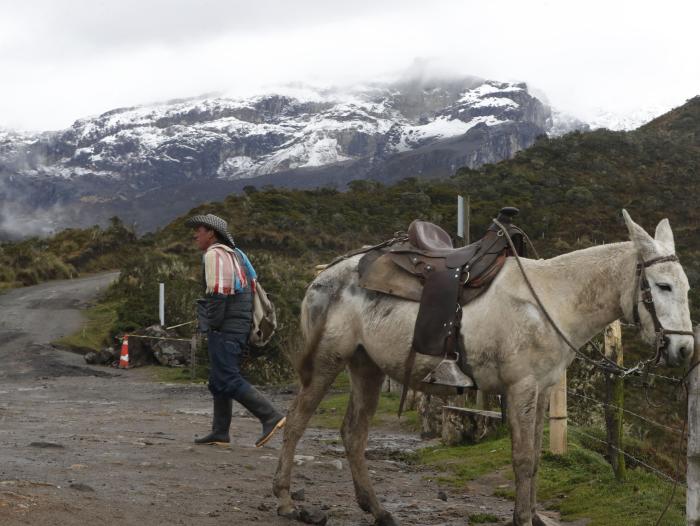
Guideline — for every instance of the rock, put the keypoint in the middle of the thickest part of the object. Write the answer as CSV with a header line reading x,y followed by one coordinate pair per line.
x,y
90,357
263,507
102,357
468,425
81,487
430,413
312,516
47,445
442,495
298,494
333,464
300,460
155,350
171,353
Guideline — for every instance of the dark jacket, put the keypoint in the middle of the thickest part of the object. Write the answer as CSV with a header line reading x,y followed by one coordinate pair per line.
x,y
231,312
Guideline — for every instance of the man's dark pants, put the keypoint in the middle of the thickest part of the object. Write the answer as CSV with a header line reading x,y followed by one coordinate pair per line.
x,y
225,351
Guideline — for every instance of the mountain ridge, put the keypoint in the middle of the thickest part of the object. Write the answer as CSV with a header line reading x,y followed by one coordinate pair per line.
x,y
196,149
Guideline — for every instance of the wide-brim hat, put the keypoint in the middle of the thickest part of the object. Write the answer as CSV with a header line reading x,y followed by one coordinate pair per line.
x,y
214,223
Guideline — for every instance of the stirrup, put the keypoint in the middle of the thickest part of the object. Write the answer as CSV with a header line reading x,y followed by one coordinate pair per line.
x,y
448,373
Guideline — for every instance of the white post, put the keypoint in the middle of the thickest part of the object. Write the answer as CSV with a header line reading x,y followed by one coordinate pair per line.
x,y
467,236
460,216
692,495
161,304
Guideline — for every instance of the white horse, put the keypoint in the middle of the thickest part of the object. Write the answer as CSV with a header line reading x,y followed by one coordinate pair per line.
x,y
511,347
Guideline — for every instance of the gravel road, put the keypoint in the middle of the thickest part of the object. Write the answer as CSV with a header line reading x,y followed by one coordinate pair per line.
x,y
94,445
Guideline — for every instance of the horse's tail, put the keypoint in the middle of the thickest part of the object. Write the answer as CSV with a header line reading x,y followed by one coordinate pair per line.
x,y
312,331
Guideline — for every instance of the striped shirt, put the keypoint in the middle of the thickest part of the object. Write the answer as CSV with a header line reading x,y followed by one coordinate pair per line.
x,y
227,271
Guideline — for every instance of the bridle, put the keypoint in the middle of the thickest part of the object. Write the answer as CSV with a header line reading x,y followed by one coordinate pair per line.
x,y
647,297
641,285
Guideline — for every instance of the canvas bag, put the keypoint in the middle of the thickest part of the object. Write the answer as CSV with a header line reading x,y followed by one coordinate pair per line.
x,y
264,318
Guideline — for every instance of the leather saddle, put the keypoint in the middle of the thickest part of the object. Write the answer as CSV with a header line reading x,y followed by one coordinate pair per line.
x,y
423,266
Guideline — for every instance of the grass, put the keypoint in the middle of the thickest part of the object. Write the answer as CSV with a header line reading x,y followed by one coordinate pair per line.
x,y
331,410
460,464
481,518
579,485
174,375
94,334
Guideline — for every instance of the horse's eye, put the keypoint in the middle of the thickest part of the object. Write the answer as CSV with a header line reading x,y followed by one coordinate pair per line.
x,y
664,286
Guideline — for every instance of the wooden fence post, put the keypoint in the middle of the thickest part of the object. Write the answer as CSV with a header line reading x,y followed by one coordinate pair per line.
x,y
615,396
692,494
480,400
557,418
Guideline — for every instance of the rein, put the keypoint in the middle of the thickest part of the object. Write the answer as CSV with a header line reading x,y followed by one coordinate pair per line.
x,y
609,365
606,364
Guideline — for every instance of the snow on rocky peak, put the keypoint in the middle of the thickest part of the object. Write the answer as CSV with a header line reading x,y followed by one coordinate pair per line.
x,y
234,138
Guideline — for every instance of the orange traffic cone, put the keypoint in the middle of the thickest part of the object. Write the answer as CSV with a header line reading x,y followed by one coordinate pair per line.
x,y
124,357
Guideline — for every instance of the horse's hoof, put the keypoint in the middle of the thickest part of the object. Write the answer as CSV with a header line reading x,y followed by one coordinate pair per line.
x,y
312,516
543,520
385,519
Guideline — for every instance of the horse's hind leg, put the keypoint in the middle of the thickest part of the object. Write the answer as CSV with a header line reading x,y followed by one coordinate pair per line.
x,y
366,381
300,411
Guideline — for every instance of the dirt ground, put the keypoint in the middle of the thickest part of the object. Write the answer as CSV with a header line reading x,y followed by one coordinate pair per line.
x,y
94,445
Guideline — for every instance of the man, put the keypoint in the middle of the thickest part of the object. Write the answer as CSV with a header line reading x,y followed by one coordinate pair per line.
x,y
225,315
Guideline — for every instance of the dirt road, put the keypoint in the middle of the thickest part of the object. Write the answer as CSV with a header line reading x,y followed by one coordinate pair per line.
x,y
92,445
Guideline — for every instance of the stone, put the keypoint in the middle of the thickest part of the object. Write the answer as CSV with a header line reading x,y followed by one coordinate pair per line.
x,y
298,494
172,353
81,487
300,460
312,516
103,357
47,445
460,425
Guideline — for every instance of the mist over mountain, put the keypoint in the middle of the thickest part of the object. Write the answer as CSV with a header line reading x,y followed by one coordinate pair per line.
x,y
147,164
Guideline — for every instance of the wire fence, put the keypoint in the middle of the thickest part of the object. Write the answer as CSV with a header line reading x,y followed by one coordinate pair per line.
x,y
606,407
627,455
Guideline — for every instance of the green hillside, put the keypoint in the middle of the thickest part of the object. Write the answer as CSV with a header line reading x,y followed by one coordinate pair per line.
x,y
66,254
570,191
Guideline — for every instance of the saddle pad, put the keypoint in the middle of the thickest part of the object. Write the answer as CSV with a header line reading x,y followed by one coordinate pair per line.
x,y
383,275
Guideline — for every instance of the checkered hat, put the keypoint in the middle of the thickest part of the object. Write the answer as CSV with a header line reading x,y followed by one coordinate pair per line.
x,y
215,223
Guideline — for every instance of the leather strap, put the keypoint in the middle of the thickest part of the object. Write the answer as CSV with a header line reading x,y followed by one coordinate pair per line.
x,y
642,285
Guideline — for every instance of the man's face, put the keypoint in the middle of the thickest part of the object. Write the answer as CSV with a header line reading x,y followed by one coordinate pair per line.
x,y
203,237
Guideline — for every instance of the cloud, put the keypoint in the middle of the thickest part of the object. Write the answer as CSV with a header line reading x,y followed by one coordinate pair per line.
x,y
69,59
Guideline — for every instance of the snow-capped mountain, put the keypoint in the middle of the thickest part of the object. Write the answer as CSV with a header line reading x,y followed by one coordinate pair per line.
x,y
623,120
150,163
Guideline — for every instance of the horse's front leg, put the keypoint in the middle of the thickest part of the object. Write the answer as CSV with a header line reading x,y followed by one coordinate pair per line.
x,y
542,404
522,417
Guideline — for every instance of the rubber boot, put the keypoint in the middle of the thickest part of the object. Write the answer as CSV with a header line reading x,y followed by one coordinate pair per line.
x,y
269,417
221,423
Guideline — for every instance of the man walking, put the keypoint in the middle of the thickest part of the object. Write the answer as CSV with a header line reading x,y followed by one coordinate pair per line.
x,y
225,315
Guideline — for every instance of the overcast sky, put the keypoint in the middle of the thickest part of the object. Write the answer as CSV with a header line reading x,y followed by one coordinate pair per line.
x,y
65,59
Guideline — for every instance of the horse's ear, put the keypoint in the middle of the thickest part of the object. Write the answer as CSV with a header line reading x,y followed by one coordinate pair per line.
x,y
664,235
643,241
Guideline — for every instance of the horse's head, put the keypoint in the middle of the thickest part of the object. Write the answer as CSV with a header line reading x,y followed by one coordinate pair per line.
x,y
660,298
